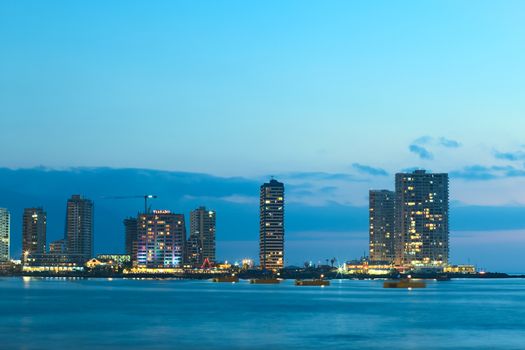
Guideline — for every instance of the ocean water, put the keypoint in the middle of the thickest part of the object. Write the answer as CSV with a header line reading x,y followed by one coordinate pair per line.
x,y
172,314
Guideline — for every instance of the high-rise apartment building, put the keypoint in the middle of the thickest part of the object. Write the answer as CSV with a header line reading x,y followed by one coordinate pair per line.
x,y
131,234
201,245
421,220
271,234
5,227
33,231
161,239
79,227
381,225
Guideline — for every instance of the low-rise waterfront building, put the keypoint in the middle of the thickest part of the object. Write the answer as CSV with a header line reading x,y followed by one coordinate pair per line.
x,y
464,269
366,267
93,263
247,263
54,262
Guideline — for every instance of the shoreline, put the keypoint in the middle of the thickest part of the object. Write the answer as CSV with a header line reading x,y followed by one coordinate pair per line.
x,y
249,276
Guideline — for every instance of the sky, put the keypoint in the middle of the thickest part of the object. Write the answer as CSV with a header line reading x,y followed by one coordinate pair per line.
x,y
333,97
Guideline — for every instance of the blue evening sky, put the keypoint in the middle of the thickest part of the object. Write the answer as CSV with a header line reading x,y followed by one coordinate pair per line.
x,y
358,89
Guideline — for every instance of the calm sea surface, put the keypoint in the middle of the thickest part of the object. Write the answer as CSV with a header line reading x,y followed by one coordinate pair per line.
x,y
170,314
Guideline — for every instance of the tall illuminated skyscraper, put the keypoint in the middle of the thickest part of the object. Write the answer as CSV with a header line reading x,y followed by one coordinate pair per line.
x,y
79,227
421,227
381,228
271,234
201,245
5,227
34,231
161,239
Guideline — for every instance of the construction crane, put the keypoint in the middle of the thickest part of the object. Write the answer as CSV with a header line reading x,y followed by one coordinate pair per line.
x,y
145,197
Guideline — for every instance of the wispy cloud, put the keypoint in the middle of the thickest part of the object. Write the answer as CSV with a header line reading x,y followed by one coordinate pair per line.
x,y
329,189
516,173
423,140
474,172
512,156
240,199
318,176
481,172
421,146
234,198
369,170
421,151
449,143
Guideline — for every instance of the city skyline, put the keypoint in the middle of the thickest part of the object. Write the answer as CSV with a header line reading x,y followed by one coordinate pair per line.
x,y
347,174
418,210
342,229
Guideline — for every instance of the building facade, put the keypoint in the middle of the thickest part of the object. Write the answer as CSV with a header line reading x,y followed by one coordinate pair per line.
x,y
421,220
381,226
55,261
79,227
58,247
5,234
130,234
161,239
271,232
201,244
193,252
34,223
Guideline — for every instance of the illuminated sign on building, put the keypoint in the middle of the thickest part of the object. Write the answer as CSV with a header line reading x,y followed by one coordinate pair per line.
x,y
160,212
